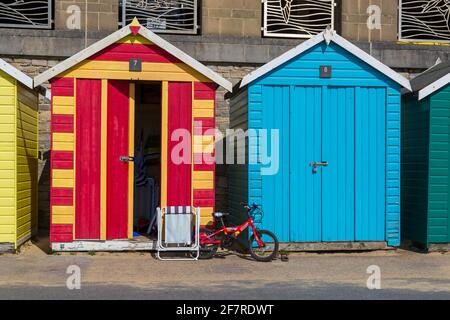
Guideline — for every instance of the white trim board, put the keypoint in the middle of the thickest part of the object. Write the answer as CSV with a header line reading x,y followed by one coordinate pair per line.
x,y
120,34
435,86
16,74
328,36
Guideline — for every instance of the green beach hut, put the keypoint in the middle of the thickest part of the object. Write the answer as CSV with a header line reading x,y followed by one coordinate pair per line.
x,y
425,161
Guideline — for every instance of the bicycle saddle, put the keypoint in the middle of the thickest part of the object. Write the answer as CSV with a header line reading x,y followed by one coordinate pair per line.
x,y
220,214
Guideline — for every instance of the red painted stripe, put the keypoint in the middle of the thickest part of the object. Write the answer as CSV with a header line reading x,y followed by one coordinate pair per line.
x,y
61,233
204,167
62,160
62,123
62,201
199,203
88,104
180,117
127,51
62,196
117,171
62,87
62,192
204,125
204,91
204,194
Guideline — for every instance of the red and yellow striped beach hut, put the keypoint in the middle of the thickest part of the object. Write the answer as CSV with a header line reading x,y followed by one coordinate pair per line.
x,y
103,99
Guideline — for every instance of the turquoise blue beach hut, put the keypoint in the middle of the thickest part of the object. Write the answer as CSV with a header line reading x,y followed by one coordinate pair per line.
x,y
337,113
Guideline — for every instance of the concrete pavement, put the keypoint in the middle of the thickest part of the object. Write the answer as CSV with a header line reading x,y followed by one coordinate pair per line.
x,y
33,273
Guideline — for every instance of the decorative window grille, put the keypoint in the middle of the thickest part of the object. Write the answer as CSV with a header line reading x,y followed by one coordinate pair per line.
x,y
33,14
297,18
424,20
164,16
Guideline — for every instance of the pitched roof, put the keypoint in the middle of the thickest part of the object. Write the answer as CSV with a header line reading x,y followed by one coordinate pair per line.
x,y
133,28
328,36
16,74
432,79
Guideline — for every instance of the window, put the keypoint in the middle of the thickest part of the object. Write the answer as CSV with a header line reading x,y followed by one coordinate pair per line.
x,y
33,14
424,20
297,18
164,16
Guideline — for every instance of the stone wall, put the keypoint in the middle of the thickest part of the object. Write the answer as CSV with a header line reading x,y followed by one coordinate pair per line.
x,y
240,18
354,20
100,15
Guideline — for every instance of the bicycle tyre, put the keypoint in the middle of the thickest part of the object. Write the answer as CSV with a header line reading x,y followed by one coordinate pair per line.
x,y
274,252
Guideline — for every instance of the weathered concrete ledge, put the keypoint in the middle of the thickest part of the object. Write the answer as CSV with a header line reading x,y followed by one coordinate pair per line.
x,y
52,44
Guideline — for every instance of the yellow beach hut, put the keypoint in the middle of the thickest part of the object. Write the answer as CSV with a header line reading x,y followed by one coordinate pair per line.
x,y
18,157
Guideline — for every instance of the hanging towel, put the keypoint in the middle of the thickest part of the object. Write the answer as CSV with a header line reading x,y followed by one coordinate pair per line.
x,y
140,177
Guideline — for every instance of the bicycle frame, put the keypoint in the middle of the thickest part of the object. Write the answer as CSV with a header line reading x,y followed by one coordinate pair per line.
x,y
235,231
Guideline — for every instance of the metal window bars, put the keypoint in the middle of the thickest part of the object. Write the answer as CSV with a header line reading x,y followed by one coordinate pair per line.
x,y
424,20
33,14
297,18
178,231
161,16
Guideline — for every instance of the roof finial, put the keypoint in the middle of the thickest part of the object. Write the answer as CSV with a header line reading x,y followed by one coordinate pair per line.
x,y
135,26
328,35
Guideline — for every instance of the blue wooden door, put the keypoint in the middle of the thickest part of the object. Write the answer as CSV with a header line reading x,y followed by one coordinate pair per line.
x,y
338,178
275,197
305,147
345,128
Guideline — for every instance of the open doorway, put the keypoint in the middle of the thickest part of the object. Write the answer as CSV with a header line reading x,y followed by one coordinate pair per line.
x,y
147,175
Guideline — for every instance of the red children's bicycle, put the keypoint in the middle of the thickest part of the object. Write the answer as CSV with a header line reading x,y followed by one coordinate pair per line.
x,y
263,244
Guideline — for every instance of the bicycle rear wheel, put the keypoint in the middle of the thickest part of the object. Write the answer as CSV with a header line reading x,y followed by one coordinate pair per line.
x,y
268,251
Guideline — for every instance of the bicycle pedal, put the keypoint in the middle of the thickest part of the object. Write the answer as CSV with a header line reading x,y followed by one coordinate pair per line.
x,y
284,257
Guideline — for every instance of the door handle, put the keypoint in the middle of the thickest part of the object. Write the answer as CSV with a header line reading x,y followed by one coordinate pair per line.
x,y
319,164
126,159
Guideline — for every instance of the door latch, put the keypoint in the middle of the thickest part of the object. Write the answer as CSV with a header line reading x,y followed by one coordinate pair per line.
x,y
126,159
315,165
319,164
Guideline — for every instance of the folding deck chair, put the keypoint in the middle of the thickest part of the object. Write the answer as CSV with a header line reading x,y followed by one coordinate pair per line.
x,y
178,231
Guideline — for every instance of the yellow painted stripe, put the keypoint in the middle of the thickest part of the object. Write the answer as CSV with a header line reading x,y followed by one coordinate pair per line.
x,y
103,166
69,110
164,141
63,101
62,219
205,148
203,184
63,146
131,164
203,109
135,40
203,175
62,183
63,137
203,113
63,210
206,215
120,70
203,104
62,174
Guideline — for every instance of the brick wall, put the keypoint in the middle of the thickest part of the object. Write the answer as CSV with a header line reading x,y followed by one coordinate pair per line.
x,y
102,15
355,16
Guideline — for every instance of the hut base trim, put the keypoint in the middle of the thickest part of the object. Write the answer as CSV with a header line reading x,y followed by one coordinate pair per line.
x,y
335,246
23,240
113,245
7,247
439,247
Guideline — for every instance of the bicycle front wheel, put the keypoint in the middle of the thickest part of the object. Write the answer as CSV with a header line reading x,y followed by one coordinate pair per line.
x,y
268,251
